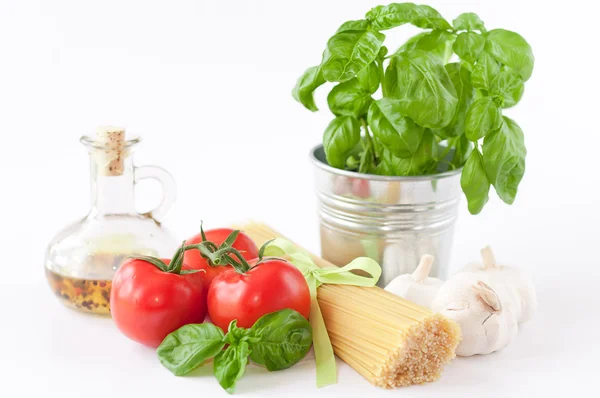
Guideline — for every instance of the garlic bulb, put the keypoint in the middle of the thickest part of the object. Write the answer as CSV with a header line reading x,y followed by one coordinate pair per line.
x,y
514,286
417,287
488,301
486,325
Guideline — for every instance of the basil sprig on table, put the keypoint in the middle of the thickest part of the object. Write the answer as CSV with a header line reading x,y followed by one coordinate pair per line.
x,y
277,341
433,115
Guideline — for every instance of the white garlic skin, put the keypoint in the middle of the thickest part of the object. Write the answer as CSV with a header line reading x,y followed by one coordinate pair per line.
x,y
514,286
471,267
417,287
486,326
513,283
422,293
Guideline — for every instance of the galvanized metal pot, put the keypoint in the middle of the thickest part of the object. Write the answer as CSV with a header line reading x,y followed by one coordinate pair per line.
x,y
393,220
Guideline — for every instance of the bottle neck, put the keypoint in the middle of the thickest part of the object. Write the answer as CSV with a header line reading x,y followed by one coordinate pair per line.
x,y
111,193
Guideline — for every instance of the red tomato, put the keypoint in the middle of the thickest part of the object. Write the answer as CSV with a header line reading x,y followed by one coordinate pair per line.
x,y
267,287
243,244
147,303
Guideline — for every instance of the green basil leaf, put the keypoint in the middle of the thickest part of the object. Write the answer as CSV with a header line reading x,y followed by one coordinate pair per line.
x,y
504,159
392,15
377,146
511,49
362,157
189,346
420,163
460,76
306,85
396,14
509,86
424,90
474,182
341,136
391,165
429,18
436,42
369,78
468,21
469,45
235,334
348,52
230,365
383,167
483,117
280,339
349,98
353,163
484,72
382,53
367,161
353,157
360,24
397,133
462,150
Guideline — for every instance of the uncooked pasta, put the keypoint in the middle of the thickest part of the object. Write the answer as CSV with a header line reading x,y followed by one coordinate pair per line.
x,y
391,341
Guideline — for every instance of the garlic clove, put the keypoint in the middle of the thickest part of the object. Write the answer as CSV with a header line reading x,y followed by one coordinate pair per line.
x,y
471,267
489,261
417,287
423,269
488,301
400,285
457,289
486,326
514,284
488,297
424,294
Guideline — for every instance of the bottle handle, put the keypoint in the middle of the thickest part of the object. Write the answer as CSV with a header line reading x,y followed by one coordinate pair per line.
x,y
168,187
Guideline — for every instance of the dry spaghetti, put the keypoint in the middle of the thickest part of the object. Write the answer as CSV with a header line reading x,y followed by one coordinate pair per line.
x,y
392,342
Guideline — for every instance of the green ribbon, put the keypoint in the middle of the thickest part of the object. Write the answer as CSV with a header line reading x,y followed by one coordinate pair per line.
x,y
315,277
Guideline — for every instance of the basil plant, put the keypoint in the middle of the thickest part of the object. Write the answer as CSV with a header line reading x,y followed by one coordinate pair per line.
x,y
437,103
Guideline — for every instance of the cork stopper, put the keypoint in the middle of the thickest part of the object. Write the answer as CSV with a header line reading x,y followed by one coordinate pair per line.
x,y
110,159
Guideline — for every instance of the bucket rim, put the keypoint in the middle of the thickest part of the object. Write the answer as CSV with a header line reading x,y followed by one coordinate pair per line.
x,y
373,177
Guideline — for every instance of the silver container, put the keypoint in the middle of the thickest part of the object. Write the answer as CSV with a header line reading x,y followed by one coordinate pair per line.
x,y
393,220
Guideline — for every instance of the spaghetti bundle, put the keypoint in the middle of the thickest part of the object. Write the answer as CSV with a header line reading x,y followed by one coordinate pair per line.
x,y
391,341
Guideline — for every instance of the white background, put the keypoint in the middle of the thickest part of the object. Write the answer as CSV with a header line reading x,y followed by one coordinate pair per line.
x,y
207,84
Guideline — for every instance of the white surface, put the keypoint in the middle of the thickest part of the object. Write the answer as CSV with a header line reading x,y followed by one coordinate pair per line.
x,y
208,86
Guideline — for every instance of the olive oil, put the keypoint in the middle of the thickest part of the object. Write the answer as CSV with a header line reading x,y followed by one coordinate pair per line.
x,y
87,295
82,258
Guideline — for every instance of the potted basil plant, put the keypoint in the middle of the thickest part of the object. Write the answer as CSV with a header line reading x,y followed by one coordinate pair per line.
x,y
411,127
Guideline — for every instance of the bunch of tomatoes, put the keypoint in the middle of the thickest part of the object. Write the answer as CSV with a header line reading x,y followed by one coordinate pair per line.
x,y
218,272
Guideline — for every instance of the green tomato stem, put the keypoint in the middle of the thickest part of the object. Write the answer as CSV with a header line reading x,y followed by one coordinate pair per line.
x,y
240,266
211,245
222,257
215,256
230,239
177,261
157,262
261,252
202,234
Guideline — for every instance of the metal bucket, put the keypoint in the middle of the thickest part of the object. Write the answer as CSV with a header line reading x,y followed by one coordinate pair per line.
x,y
393,220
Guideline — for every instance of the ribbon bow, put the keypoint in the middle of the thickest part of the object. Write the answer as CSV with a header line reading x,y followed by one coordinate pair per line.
x,y
315,277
